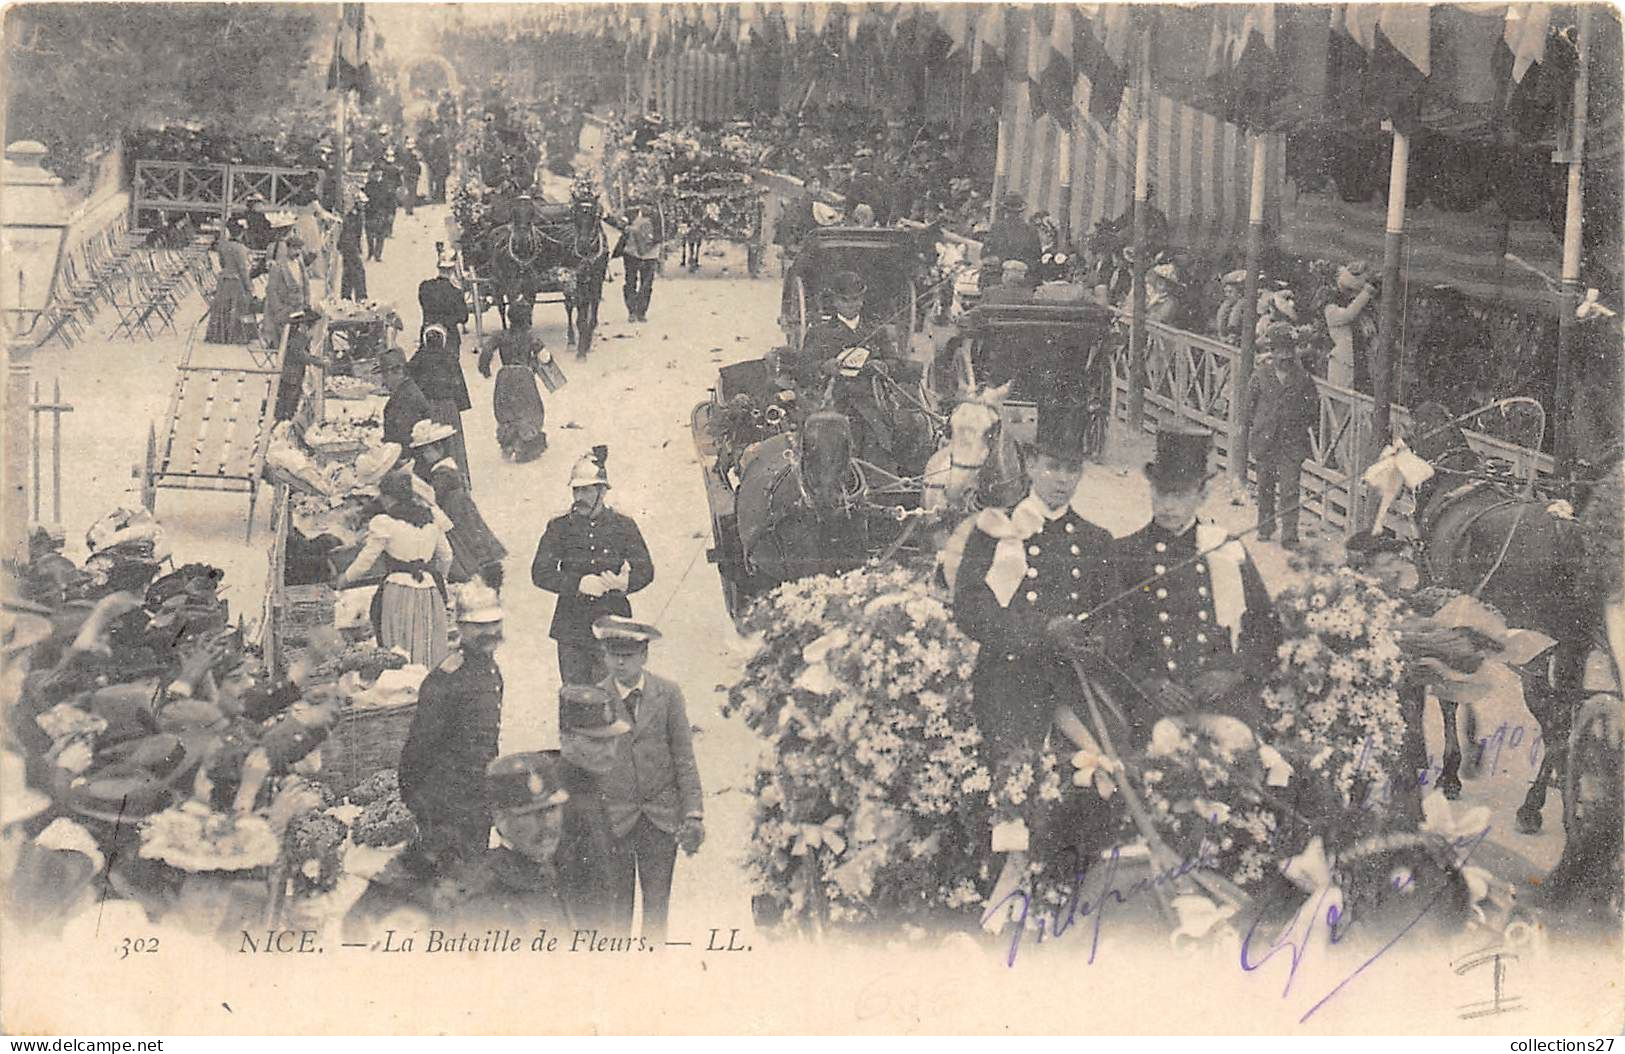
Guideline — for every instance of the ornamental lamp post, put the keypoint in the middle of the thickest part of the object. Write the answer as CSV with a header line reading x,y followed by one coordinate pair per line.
x,y
33,228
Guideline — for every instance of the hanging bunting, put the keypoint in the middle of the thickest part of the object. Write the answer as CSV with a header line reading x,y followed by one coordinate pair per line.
x,y
820,18
1527,26
1400,63
955,20
989,39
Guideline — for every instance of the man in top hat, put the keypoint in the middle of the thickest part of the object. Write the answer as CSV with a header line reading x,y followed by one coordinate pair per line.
x,y
407,405
653,790
590,737
852,347
453,737
1011,237
1026,589
514,885
1199,629
593,558
1283,408
443,302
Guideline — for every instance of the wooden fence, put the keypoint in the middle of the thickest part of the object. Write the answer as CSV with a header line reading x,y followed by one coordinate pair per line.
x,y
177,186
1190,379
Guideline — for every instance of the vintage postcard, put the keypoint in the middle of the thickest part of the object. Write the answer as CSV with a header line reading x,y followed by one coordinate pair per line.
x,y
897,518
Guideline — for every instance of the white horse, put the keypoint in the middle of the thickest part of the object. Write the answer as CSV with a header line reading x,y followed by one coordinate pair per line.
x,y
981,465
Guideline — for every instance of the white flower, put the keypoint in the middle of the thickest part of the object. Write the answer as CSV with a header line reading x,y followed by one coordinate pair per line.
x,y
817,679
1198,916
1091,768
1166,738
1278,771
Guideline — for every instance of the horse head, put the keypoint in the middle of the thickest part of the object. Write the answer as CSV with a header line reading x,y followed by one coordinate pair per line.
x,y
825,443
978,445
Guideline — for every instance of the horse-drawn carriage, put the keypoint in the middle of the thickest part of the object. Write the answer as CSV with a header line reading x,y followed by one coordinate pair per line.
x,y
545,252
1038,348
888,259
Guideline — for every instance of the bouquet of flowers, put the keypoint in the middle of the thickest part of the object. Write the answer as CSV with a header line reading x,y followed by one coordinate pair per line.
x,y
313,846
1333,697
194,837
870,798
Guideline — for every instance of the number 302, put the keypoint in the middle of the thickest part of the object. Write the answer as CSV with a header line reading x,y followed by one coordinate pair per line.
x,y
145,945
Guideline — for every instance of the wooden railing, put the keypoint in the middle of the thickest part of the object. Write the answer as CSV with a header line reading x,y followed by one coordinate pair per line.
x,y
179,186
1190,379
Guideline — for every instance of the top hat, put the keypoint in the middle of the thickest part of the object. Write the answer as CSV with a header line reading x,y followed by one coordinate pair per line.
x,y
589,710
847,285
623,634
1181,460
426,431
524,783
591,470
1062,427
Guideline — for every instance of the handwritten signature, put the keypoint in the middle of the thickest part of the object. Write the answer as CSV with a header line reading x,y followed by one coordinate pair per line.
x,y
1294,939
1053,923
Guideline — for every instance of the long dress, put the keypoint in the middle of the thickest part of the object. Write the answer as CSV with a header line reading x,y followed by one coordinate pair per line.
x,y
440,375
516,398
231,297
473,544
409,609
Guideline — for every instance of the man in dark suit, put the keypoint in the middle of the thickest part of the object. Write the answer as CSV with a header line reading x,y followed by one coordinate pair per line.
x,y
1283,408
653,790
443,303
407,405
590,737
1011,237
353,285
453,738
593,558
287,292
1199,632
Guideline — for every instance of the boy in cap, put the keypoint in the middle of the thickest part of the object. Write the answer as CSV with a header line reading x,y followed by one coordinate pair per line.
x,y
594,558
453,737
1283,408
652,791
590,736
1200,632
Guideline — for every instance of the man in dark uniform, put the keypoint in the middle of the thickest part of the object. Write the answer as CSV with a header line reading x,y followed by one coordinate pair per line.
x,y
407,405
443,302
590,734
1025,591
1200,632
1011,237
594,558
353,285
515,886
411,171
454,737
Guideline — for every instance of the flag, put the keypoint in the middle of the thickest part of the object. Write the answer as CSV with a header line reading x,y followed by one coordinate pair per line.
x,y
1525,35
1102,49
1059,76
1242,64
955,20
989,40
349,70
1400,63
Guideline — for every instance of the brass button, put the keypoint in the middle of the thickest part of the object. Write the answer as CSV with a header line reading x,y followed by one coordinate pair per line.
x,y
1082,615
1073,595
1162,547
1201,569
1201,590
1076,573
1031,596
1160,569
1074,550
1162,616
1069,528
1201,638
1167,642
1162,594
1172,665
1202,615
1010,656
1032,572
1032,550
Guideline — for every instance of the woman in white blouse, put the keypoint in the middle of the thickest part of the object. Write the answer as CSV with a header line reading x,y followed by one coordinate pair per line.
x,y
406,543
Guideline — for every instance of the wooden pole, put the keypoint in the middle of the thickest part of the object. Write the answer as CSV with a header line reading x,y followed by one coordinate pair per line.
x,y
1382,355
1064,177
1249,312
34,413
1001,161
1573,225
1142,182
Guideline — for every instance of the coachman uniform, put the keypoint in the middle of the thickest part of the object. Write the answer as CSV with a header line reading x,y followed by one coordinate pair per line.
x,y
1019,572
1202,621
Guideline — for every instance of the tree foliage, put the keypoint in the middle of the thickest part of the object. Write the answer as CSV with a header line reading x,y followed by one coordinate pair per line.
x,y
78,75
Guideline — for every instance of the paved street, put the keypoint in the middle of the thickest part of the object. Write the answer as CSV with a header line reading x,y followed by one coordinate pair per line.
x,y
636,394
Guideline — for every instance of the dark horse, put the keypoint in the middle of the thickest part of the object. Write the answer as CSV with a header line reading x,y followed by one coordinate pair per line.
x,y
1518,555
553,249
794,503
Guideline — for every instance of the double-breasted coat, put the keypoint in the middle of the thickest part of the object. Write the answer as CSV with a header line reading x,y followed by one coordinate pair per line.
x,y
574,546
452,739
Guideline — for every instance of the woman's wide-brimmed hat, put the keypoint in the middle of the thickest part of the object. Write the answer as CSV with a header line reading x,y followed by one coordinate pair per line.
x,y
426,431
1181,461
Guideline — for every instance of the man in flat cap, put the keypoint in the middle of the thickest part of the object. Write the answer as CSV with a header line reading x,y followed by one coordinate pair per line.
x,y
453,737
653,790
590,738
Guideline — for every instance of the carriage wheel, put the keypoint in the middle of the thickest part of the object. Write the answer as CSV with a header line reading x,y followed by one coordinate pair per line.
x,y
795,325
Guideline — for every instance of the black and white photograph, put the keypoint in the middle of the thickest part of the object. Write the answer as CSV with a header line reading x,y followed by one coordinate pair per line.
x,y
812,518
